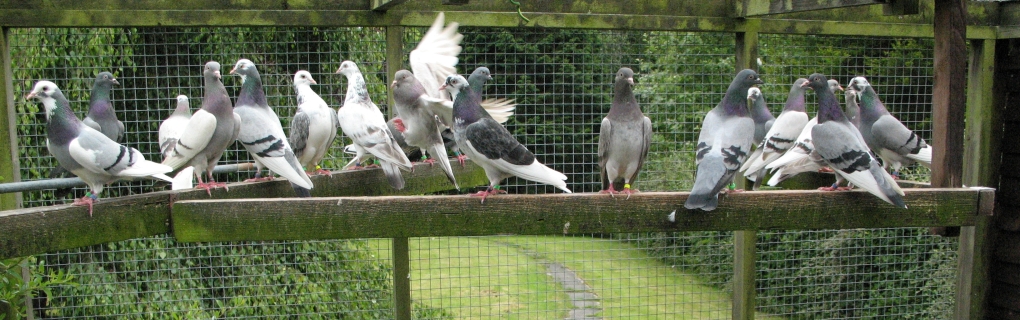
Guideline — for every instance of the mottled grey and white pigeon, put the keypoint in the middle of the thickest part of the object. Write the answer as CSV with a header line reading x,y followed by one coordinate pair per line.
x,y
174,126
313,128
86,152
624,138
727,134
491,146
886,135
801,157
781,137
499,109
416,123
101,115
842,147
209,131
363,122
261,132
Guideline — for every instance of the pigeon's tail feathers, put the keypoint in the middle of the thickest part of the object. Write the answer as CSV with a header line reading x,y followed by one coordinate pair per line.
x,y
499,109
392,172
758,179
797,166
163,177
184,179
144,168
755,156
438,152
791,156
777,176
760,163
538,172
877,182
923,156
284,167
301,192
710,178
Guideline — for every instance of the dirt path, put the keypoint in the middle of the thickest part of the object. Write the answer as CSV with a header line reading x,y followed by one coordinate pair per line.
x,y
585,301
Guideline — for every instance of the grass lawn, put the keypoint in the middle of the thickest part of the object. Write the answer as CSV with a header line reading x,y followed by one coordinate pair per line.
x,y
504,277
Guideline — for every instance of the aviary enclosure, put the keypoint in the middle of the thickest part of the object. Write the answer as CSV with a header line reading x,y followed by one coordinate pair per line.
x,y
361,250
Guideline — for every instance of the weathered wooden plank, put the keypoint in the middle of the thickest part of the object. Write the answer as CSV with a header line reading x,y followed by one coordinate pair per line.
x,y
984,123
401,279
744,257
750,8
949,101
383,5
388,217
9,167
45,229
974,259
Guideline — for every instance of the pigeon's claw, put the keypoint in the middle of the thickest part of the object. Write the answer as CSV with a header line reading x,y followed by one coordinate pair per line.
x,y
825,170
87,200
461,158
431,162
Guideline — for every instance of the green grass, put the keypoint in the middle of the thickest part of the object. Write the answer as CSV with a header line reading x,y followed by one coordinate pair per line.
x,y
479,278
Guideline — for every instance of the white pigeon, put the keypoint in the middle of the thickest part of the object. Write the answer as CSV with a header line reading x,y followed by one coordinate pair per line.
x,y
174,126
313,128
261,132
86,152
363,122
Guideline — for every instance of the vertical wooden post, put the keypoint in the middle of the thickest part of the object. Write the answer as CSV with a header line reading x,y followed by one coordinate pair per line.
x,y
949,100
26,276
394,58
744,253
974,261
9,168
401,279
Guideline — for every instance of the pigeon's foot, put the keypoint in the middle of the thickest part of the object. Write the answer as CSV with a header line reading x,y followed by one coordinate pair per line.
x,y
610,191
461,158
484,194
207,186
834,187
399,125
844,188
431,162
627,190
370,166
825,170
319,172
896,175
87,200
827,189
356,166
729,191
257,179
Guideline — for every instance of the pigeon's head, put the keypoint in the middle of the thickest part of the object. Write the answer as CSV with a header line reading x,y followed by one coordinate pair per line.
x,y
481,72
753,94
182,102
45,92
105,79
348,68
303,78
800,84
454,84
626,75
244,68
859,83
212,69
817,82
401,78
834,85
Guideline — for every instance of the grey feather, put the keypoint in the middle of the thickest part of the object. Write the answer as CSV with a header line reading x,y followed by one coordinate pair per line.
x,y
314,126
102,115
421,128
625,136
885,134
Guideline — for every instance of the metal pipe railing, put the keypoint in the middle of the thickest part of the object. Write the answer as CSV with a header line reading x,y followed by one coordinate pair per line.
x,y
60,183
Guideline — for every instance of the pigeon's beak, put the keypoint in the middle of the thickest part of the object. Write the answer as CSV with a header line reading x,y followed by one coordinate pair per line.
x,y
30,95
758,81
340,70
218,76
806,84
630,80
233,70
442,87
114,81
312,81
393,84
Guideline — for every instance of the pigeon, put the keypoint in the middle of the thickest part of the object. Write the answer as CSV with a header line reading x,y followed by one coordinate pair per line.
x,y
760,113
173,127
499,109
800,158
781,137
101,115
841,147
727,134
624,138
853,109
491,146
313,128
261,132
359,154
886,135
417,124
210,130
86,152
361,120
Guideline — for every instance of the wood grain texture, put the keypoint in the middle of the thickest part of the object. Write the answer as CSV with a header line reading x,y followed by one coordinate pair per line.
x,y
46,229
750,8
949,101
9,167
421,216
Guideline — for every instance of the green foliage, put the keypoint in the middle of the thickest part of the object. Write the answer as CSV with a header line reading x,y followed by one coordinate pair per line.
x,y
14,290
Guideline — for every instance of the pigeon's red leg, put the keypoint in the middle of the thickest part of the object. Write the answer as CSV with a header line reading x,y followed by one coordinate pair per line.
x,y
825,170
460,158
610,190
87,200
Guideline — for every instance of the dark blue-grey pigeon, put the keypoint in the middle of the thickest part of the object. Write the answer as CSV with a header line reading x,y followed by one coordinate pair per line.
x,y
727,134
841,146
781,137
363,122
418,125
209,131
760,113
261,132
86,152
314,126
886,135
624,138
101,115
491,146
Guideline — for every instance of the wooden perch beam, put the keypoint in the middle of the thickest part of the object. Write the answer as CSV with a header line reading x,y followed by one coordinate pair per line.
x,y
386,217
750,8
47,229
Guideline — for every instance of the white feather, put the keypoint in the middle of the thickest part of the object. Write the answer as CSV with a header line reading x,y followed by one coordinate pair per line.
x,y
199,131
536,171
789,125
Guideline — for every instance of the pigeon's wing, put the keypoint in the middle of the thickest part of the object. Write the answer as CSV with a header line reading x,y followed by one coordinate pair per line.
x,y
366,127
605,135
890,133
120,131
646,135
841,148
499,109
491,140
268,145
199,131
98,154
169,132
299,132
779,139
723,145
92,124
435,57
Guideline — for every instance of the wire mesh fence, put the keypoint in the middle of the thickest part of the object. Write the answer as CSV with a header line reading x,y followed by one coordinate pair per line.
x,y
561,81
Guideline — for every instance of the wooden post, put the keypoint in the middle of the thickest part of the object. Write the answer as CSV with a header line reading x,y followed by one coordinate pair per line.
x,y
974,261
401,279
9,168
744,253
394,59
949,100
26,276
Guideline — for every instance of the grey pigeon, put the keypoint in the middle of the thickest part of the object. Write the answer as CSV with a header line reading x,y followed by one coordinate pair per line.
x,y
499,109
362,121
781,137
886,135
727,134
801,157
313,128
491,146
624,138
261,132
173,127
92,156
101,115
210,130
760,113
417,124
841,146
360,155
